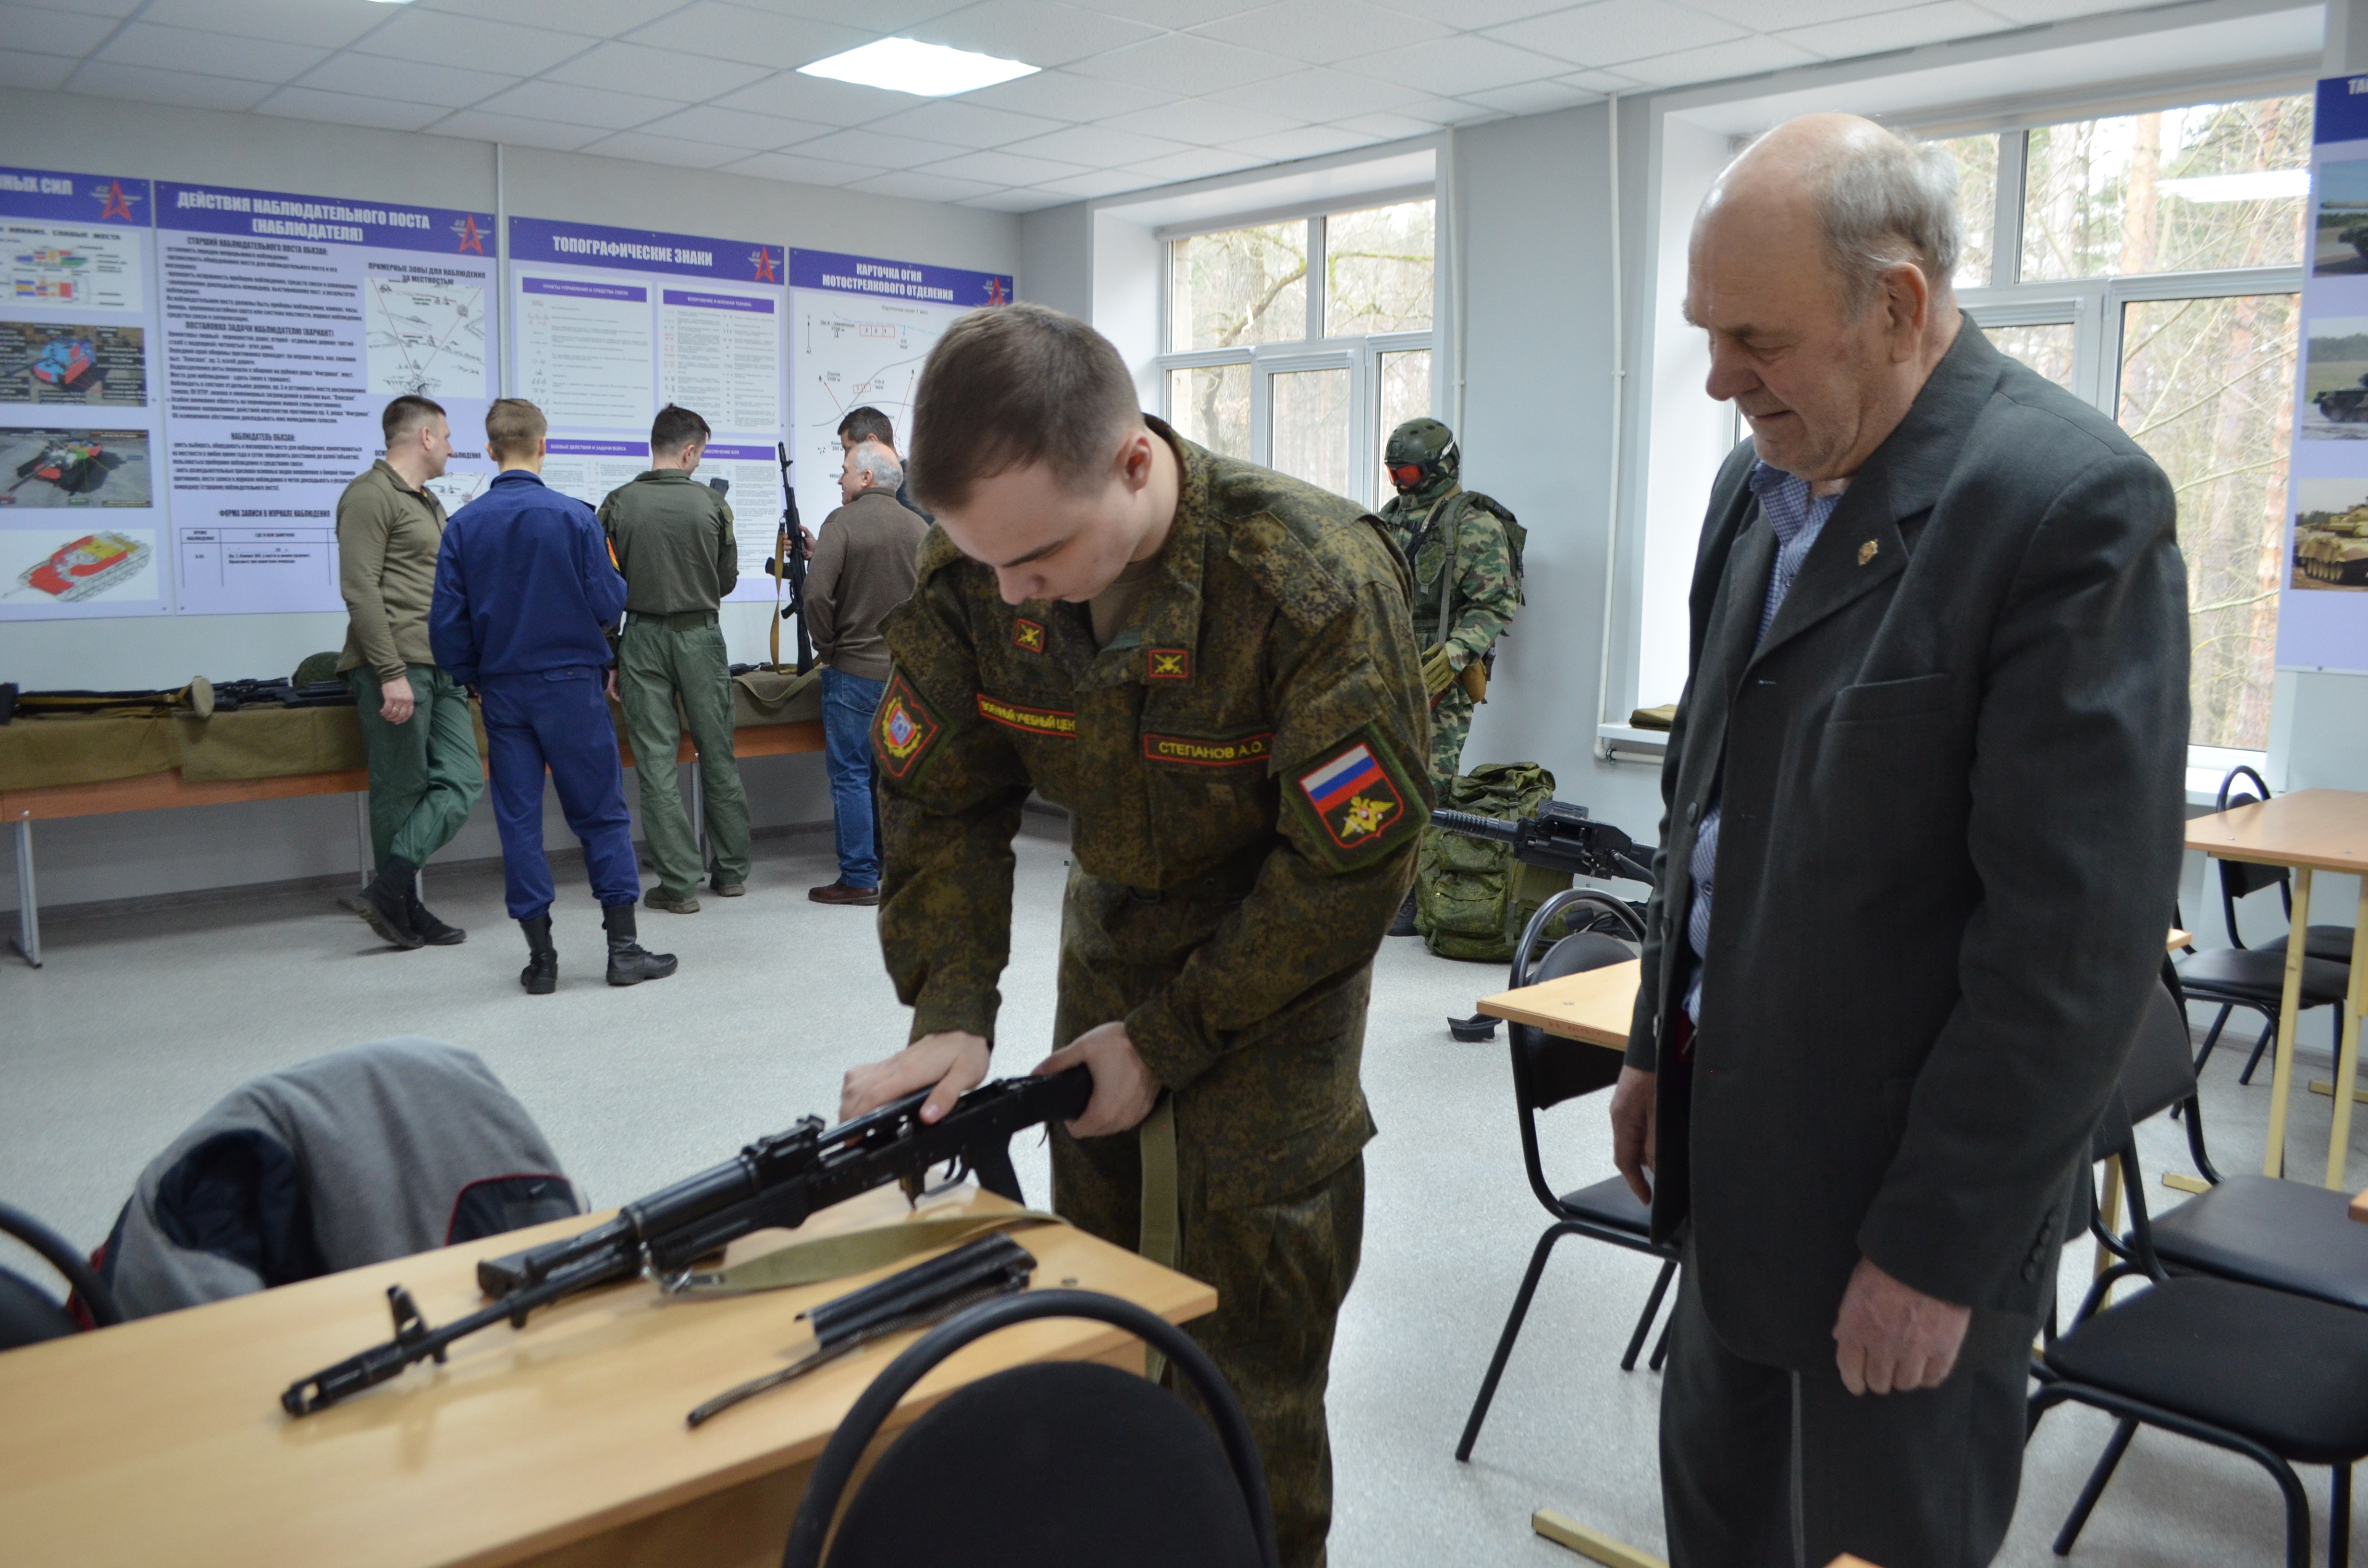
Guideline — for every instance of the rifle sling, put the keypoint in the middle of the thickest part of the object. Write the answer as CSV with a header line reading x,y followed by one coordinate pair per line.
x,y
850,1251
1162,1225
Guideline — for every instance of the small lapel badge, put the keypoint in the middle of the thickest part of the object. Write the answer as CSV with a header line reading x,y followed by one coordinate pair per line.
x,y
1866,551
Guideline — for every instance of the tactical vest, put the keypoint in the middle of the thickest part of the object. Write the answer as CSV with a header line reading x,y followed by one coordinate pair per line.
x,y
1430,623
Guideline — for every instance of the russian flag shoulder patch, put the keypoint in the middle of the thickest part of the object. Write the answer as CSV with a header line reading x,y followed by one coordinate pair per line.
x,y
1355,797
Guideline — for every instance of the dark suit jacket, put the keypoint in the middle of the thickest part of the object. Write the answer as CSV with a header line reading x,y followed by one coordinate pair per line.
x,y
1951,793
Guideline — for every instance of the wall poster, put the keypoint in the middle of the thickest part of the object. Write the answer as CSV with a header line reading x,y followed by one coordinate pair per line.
x,y
2322,575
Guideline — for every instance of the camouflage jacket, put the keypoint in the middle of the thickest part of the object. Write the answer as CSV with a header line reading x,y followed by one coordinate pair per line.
x,y
1487,584
1244,760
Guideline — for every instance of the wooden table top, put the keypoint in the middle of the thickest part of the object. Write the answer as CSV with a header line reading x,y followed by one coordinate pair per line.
x,y
163,1440
2324,829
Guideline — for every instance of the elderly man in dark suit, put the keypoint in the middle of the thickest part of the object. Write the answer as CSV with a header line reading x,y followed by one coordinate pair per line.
x,y
1924,801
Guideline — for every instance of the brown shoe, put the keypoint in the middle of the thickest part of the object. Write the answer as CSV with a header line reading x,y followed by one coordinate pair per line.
x,y
840,892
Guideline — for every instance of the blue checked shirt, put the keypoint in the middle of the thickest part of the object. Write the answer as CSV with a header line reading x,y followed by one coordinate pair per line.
x,y
1798,517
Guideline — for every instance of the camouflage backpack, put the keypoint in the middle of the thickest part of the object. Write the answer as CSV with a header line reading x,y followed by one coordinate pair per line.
x,y
1471,897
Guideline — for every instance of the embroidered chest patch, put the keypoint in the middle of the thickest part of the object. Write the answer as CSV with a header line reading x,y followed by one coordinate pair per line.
x,y
1197,751
1027,635
1354,796
1167,663
1047,721
903,728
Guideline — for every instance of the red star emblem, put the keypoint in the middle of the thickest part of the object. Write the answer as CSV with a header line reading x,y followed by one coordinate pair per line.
x,y
996,293
118,204
473,238
763,258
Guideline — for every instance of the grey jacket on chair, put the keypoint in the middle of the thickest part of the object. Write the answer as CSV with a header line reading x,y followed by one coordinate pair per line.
x,y
1951,784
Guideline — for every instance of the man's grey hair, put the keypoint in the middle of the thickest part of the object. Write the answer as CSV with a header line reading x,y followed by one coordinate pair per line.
x,y
887,474
1892,201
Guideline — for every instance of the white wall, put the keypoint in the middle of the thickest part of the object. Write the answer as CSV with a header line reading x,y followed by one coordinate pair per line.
x,y
114,857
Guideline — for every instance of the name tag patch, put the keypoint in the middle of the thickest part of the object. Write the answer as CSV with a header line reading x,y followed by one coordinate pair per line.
x,y
1050,721
903,728
1195,751
1353,795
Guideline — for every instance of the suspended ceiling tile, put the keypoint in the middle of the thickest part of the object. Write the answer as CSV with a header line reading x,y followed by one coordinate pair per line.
x,y
817,99
1322,32
1445,111
721,31
1201,123
1170,13
34,73
453,87
210,54
1035,31
1476,13
1064,95
481,125
916,186
881,16
1612,30
1005,167
1308,141
735,127
1389,127
1096,182
961,123
350,109
185,87
593,18
1744,57
2053,10
662,72
1186,65
1769,16
593,111
1895,29
331,24
1466,63
643,147
1195,163
1534,97
1019,201
1095,147
1321,95
801,170
1603,81
878,149
439,38
41,31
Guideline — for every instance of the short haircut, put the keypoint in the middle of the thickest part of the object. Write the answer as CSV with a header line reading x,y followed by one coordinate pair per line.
x,y
880,463
512,427
1885,201
676,427
1012,386
405,415
867,424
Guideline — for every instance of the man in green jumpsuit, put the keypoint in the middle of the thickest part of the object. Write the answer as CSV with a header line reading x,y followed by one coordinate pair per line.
x,y
1466,554
672,539
1209,666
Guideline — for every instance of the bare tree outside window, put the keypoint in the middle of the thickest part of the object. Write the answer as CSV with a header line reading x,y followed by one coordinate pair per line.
x,y
2046,348
1377,270
1977,168
1210,405
1241,287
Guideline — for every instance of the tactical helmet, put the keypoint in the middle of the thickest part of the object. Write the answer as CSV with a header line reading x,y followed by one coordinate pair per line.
x,y
1420,452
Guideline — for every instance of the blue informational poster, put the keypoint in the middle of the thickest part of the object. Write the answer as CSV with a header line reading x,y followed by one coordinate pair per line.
x,y
609,325
290,322
2323,597
81,520
862,327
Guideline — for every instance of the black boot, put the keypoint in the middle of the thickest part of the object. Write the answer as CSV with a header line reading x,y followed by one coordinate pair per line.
x,y
432,931
386,904
630,963
1404,924
540,976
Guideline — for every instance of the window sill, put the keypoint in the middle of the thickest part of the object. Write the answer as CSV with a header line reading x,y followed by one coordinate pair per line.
x,y
1625,743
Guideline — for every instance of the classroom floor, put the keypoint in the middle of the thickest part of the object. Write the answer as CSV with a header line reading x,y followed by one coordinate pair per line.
x,y
141,1020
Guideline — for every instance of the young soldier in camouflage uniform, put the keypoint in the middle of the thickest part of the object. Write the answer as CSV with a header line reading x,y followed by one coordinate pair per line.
x,y
1209,665
1433,517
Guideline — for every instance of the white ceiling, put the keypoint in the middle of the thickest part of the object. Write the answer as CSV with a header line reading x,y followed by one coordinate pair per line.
x,y
1134,93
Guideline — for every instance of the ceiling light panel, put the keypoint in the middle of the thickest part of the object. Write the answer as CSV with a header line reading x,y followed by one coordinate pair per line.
x,y
926,70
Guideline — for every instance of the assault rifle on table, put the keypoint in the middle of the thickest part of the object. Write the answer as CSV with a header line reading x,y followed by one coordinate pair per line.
x,y
1559,837
775,1181
787,568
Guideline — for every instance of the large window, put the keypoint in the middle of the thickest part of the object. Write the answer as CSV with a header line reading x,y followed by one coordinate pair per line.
x,y
1302,345
2151,263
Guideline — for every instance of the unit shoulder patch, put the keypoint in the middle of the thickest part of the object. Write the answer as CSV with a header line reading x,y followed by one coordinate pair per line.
x,y
1027,635
1167,663
1203,751
903,730
1356,799
1052,722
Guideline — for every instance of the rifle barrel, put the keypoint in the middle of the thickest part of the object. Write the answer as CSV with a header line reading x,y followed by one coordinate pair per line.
x,y
1474,825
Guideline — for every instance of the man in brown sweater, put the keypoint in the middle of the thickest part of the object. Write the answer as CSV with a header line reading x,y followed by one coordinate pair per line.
x,y
425,776
863,567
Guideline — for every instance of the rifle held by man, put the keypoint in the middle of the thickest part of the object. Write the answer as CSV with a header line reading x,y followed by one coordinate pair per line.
x,y
788,567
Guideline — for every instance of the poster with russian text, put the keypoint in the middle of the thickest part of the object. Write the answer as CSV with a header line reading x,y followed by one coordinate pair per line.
x,y
609,325
862,327
2322,570
80,519
289,321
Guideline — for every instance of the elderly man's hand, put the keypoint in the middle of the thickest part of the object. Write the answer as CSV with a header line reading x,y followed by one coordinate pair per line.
x,y
1633,1116
1891,1337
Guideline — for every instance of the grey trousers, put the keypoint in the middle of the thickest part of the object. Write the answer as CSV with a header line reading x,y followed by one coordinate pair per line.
x,y
1762,1466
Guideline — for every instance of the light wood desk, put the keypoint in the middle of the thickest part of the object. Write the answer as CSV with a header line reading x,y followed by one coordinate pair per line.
x,y
2322,830
163,1440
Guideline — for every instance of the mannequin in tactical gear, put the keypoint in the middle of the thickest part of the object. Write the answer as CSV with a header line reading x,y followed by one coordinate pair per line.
x,y
1465,549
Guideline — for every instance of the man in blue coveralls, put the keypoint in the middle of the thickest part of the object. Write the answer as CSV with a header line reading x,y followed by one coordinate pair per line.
x,y
525,594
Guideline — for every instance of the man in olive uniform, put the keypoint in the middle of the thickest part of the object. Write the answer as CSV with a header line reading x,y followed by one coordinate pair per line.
x,y
1208,665
673,542
425,777
1466,554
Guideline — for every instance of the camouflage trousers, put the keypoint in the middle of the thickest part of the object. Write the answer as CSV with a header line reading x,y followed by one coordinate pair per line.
x,y
1451,721
1280,1272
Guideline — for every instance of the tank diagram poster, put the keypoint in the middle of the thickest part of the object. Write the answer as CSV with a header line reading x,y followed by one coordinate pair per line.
x,y
79,515
2323,570
862,327
289,322
609,325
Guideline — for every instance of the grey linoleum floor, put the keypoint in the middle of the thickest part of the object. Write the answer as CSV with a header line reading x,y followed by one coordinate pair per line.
x,y
141,1020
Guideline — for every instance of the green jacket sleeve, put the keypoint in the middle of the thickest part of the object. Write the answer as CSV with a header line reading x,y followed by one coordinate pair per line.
x,y
366,515
1486,592
1319,909
951,792
727,554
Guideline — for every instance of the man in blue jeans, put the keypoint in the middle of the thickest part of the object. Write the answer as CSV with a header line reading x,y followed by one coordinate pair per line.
x,y
526,592
863,567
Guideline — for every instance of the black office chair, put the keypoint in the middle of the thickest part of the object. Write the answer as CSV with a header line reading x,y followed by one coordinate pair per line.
x,y
2278,1377
1063,1464
27,1315
2255,978
1548,1070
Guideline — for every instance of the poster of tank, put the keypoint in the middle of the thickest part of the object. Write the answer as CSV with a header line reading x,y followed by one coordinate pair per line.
x,y
2330,535
75,468
70,362
52,567
2340,244
2335,380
